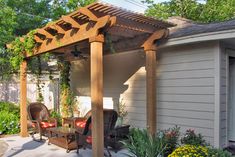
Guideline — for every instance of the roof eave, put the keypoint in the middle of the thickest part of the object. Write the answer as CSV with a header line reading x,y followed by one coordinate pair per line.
x,y
212,36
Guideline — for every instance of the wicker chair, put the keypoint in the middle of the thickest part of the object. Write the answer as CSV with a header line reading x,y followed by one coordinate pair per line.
x,y
39,117
83,133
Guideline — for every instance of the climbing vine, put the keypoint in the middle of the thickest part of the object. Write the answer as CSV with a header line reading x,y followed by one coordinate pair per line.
x,y
19,48
67,97
22,46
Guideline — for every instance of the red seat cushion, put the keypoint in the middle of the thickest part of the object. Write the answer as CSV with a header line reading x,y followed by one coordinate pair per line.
x,y
81,124
45,125
89,139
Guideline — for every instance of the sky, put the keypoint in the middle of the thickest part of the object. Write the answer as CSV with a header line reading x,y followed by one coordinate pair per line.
x,y
133,5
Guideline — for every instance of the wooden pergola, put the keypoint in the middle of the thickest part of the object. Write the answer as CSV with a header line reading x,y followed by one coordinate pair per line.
x,y
88,28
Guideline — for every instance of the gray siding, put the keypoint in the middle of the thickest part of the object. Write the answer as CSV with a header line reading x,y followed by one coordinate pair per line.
x,y
185,90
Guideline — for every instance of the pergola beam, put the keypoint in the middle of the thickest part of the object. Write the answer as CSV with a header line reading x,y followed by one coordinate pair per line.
x,y
45,33
88,13
133,25
37,39
56,27
71,21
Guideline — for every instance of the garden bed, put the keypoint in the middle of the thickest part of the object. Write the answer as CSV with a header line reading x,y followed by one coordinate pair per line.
x,y
171,143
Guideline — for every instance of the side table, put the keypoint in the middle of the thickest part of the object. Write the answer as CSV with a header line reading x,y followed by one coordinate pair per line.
x,y
63,137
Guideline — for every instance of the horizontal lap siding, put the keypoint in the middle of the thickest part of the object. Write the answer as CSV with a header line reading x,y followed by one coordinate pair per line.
x,y
185,90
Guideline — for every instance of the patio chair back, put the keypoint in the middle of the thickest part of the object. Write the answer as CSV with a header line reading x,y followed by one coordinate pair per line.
x,y
110,118
38,111
84,137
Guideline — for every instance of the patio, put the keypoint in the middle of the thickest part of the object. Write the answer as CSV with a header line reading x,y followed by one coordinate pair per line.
x,y
18,146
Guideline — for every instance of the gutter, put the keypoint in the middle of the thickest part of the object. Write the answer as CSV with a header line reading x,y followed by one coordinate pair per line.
x,y
227,34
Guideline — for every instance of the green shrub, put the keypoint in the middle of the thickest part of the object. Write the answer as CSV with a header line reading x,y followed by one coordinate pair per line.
x,y
141,144
9,118
171,138
9,123
191,138
10,107
213,152
190,151
56,115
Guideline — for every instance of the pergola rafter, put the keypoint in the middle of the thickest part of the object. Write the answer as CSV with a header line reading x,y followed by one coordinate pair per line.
x,y
87,27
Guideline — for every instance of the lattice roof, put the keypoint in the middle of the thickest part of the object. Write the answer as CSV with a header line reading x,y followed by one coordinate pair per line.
x,y
122,26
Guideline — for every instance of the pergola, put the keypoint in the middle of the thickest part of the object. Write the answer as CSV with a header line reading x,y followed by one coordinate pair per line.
x,y
88,28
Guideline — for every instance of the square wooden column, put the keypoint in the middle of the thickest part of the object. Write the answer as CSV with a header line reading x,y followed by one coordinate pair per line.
x,y
151,91
150,49
96,44
23,99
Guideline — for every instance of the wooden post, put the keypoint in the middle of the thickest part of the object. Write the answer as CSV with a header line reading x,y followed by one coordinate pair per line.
x,y
151,91
97,95
150,49
23,99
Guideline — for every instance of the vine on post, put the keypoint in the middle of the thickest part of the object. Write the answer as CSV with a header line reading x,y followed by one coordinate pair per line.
x,y
18,50
67,98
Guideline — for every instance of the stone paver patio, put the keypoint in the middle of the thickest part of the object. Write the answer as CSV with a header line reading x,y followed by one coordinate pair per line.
x,y
26,147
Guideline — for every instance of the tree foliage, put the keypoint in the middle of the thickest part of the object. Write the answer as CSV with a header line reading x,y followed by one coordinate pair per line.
x,y
200,11
7,23
18,17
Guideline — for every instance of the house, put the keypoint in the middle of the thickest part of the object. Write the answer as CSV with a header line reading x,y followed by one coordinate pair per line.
x,y
195,80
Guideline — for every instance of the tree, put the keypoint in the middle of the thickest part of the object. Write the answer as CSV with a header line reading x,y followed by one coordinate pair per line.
x,y
30,14
21,16
74,4
7,23
207,11
217,10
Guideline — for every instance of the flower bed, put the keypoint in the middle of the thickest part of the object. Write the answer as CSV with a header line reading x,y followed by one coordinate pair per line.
x,y
167,143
